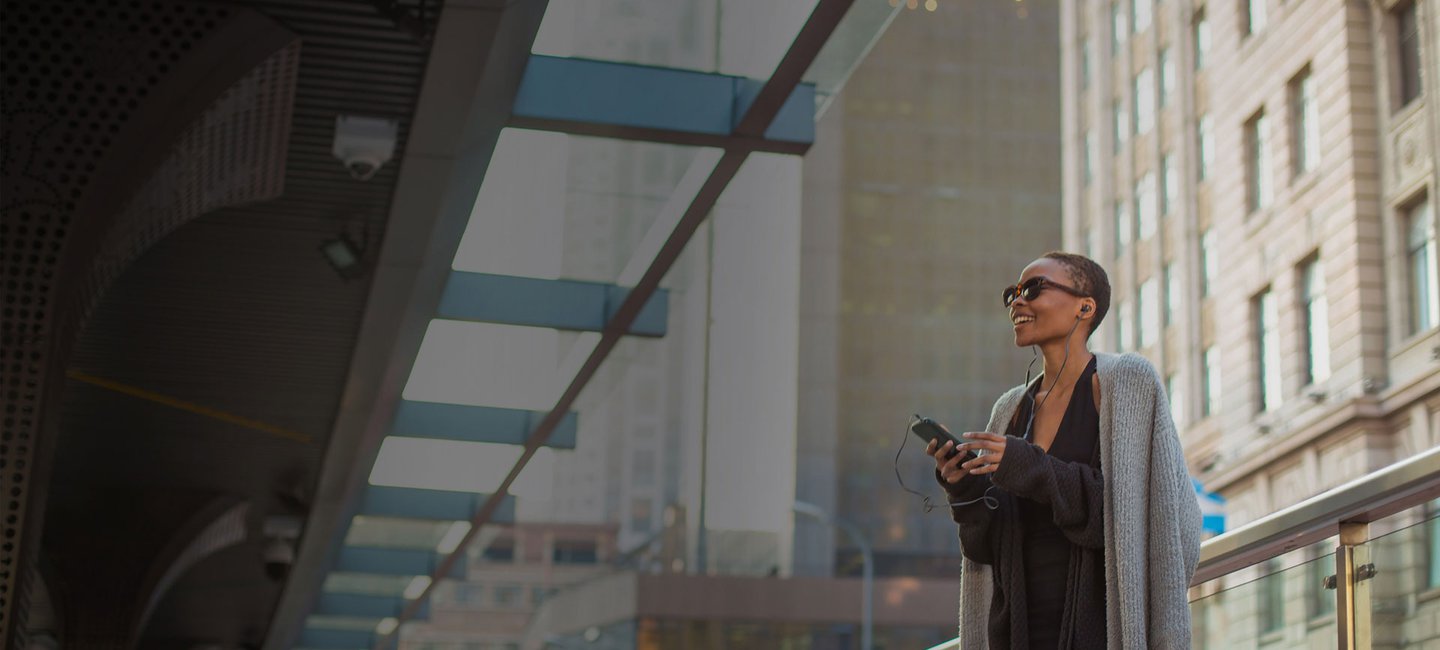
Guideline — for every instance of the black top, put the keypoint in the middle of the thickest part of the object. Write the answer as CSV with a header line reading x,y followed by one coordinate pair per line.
x,y
1045,541
1046,551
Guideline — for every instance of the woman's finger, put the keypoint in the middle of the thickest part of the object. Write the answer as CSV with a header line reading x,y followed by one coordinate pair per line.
x,y
985,435
982,461
986,469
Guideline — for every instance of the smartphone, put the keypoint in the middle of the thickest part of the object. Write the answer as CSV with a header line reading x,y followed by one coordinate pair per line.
x,y
928,430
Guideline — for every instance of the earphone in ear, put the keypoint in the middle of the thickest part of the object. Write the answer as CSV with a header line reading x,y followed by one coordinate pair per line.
x,y
1084,308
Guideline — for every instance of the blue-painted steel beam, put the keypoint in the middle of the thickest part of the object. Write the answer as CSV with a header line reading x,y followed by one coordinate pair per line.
x,y
366,606
394,561
419,503
561,304
625,100
327,639
477,424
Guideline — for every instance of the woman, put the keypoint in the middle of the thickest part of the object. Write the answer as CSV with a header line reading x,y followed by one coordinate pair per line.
x,y
1078,523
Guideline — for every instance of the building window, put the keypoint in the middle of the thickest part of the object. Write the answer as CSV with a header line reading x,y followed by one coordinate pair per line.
x,y
1205,141
1127,327
1208,267
1117,28
1141,11
641,515
1305,121
1170,190
1167,77
1144,101
1257,163
539,595
1272,597
1177,399
1317,322
1149,308
1432,542
1319,601
1202,39
642,474
1122,226
1252,16
1122,126
1088,163
1092,246
1145,206
1085,63
575,552
1210,376
1420,264
469,593
1172,294
1267,351
500,550
508,596
1407,47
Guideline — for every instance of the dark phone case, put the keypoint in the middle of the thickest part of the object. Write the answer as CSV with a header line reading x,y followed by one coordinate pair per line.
x,y
927,430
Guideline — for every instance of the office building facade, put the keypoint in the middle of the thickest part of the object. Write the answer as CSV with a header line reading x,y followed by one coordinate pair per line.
x,y
1259,178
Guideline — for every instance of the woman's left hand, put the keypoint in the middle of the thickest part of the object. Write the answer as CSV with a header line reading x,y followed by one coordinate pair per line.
x,y
993,447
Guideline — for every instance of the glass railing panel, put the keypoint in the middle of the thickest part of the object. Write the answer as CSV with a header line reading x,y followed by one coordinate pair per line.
x,y
1281,603
1404,608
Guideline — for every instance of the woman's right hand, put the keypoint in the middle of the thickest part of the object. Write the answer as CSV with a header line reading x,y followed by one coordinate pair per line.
x,y
947,463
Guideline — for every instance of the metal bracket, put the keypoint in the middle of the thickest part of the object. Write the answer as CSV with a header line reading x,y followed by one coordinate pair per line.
x,y
1364,572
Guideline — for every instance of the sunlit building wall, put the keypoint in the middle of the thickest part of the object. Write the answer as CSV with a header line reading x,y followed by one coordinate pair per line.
x,y
1260,179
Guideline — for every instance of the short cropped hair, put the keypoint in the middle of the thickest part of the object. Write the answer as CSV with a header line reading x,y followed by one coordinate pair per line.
x,y
1090,278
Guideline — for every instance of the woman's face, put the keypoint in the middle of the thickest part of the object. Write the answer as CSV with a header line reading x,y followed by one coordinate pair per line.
x,y
1052,313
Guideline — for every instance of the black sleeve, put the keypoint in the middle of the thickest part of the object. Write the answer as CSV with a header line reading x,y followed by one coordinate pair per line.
x,y
974,519
1074,491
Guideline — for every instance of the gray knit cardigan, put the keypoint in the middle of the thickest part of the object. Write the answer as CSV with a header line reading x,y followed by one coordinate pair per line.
x,y
1152,518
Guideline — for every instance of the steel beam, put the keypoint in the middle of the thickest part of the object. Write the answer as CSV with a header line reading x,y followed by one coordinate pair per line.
x,y
421,503
364,606
635,102
561,304
477,424
328,639
392,562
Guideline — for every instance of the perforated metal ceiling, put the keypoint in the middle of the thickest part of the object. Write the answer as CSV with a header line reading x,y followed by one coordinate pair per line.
x,y
104,153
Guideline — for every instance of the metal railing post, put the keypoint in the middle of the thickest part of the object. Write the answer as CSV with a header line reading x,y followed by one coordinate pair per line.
x,y
1353,571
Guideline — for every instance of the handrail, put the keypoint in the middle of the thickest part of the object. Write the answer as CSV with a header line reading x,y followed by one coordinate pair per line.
x,y
1371,497
1376,495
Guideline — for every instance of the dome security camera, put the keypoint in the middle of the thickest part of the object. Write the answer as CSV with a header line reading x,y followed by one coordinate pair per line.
x,y
364,144
279,556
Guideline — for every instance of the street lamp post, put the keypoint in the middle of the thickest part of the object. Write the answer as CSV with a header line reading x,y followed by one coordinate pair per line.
x,y
867,570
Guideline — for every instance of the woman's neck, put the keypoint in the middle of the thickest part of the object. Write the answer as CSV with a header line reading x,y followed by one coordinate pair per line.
x,y
1055,358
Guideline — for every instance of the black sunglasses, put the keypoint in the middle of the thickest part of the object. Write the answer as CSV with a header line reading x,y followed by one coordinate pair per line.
x,y
1030,290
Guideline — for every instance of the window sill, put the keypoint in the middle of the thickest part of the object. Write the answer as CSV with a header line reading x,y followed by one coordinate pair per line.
x,y
1273,636
1255,220
1410,344
1320,621
1304,181
1404,111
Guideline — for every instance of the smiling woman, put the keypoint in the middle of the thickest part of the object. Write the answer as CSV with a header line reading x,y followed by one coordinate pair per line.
x,y
1064,458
